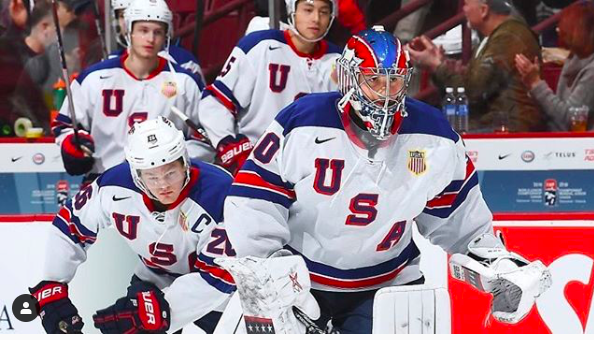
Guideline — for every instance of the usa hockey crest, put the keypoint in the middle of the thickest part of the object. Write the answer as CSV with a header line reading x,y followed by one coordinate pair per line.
x,y
169,89
416,162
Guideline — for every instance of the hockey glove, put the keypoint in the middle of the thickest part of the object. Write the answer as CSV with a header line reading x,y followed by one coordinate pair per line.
x,y
143,310
514,281
58,314
232,152
78,159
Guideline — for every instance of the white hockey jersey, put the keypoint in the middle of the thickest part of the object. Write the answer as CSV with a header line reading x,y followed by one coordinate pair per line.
x,y
109,99
170,244
263,74
306,187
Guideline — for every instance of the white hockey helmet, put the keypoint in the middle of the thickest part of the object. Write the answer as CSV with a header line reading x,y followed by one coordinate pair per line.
x,y
117,5
149,10
292,7
120,4
154,143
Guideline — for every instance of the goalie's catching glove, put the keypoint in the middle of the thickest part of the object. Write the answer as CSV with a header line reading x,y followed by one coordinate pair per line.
x,y
514,281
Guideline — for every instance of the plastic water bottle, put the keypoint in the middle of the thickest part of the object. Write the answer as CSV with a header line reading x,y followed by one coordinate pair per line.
x,y
448,107
462,110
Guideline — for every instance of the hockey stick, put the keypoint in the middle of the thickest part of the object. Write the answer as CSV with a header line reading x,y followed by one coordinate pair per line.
x,y
66,77
99,29
200,133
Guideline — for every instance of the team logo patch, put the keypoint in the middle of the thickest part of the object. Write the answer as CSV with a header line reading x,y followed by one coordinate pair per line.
x,y
169,89
183,220
152,139
416,162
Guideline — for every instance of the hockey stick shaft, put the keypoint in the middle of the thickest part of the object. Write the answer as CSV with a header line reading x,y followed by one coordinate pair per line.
x,y
65,74
197,128
99,29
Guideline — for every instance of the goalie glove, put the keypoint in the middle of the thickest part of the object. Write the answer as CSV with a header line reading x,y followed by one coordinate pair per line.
x,y
143,310
58,314
514,282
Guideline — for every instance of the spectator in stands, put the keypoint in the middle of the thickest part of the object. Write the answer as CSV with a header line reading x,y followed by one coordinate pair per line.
x,y
576,83
492,82
19,43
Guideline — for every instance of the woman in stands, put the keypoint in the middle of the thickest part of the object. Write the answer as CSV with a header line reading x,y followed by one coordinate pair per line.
x,y
574,89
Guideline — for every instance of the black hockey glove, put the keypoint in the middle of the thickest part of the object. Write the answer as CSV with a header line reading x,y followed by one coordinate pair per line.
x,y
58,314
78,159
232,152
143,310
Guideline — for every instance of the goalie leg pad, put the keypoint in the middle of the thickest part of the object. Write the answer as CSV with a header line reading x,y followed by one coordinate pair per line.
x,y
412,310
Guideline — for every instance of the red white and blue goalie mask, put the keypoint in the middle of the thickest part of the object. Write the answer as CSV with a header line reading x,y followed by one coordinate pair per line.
x,y
373,76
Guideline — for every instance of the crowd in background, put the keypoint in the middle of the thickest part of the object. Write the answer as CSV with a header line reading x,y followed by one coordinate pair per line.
x,y
505,74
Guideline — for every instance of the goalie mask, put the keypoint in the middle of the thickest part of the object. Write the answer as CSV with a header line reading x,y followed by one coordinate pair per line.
x,y
292,8
154,143
373,76
148,10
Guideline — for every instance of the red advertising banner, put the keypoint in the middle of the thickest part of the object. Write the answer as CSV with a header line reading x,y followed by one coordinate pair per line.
x,y
567,307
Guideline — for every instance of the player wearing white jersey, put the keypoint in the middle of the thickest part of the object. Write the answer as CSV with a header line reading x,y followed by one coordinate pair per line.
x,y
168,211
265,72
339,178
178,54
113,94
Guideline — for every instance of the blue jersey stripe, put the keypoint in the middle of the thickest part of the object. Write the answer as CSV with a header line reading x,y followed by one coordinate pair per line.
x,y
409,253
268,176
217,284
460,198
263,194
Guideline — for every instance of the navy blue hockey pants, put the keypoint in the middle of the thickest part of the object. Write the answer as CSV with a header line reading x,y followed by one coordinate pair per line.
x,y
351,313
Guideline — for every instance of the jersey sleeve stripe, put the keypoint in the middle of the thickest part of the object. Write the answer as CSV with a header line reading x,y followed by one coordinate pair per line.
x,y
248,191
59,223
224,95
446,210
359,277
206,264
214,275
60,123
448,196
253,179
266,175
72,227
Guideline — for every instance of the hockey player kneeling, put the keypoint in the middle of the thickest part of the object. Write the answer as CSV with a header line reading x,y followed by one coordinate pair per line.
x,y
339,178
166,208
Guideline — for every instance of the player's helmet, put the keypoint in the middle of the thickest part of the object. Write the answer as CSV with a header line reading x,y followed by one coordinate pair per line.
x,y
153,143
377,60
149,10
120,4
115,6
292,7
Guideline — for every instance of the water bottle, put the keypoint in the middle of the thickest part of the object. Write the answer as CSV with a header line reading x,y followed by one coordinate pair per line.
x,y
448,107
462,110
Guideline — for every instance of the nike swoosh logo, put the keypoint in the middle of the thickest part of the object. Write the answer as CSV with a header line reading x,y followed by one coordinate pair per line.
x,y
320,141
273,48
115,199
504,156
14,159
104,77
